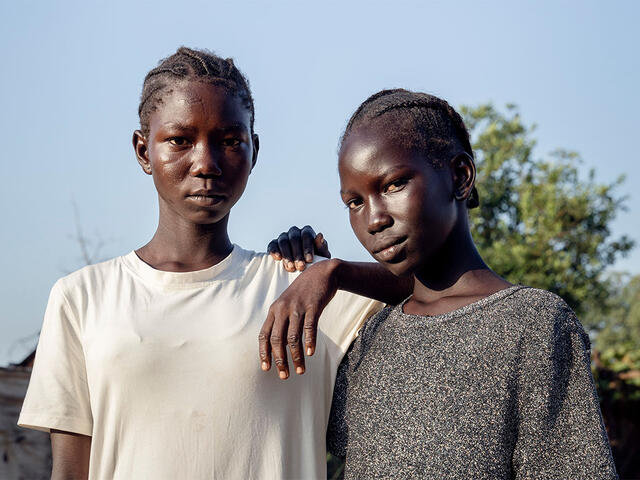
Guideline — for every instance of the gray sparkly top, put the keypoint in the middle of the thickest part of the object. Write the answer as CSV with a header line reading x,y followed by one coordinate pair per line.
x,y
498,389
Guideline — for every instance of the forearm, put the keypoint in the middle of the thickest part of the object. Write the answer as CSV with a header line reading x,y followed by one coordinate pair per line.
x,y
372,280
70,452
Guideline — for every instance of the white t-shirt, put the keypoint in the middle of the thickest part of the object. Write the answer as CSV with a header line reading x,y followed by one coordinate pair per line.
x,y
162,370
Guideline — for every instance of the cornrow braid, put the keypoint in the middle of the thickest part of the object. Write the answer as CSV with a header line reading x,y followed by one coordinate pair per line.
x,y
418,121
190,64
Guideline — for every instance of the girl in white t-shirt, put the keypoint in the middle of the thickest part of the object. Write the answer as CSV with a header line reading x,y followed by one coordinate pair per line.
x,y
145,365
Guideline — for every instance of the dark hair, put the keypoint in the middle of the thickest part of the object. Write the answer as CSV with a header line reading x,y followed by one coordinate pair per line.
x,y
189,64
417,121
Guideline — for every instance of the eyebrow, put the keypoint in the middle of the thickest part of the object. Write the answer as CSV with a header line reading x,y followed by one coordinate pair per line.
x,y
390,171
225,128
177,126
234,126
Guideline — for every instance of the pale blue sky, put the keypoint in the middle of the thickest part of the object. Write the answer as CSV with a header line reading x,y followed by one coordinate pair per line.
x,y
72,73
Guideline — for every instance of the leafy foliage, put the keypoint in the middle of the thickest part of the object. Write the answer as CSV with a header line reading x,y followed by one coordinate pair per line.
x,y
539,223
617,343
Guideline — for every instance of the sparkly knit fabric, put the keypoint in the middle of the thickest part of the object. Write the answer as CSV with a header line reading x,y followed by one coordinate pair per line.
x,y
499,389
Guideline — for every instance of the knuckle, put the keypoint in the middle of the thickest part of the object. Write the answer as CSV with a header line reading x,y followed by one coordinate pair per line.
x,y
293,339
293,230
262,337
276,340
279,362
278,307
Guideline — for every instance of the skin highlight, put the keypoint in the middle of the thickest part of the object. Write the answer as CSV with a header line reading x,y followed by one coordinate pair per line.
x,y
200,152
412,218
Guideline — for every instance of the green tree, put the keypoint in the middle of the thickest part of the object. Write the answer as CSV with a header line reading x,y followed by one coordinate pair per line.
x,y
544,222
617,344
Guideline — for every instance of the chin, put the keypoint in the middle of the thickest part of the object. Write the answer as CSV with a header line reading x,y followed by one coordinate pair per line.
x,y
400,269
209,219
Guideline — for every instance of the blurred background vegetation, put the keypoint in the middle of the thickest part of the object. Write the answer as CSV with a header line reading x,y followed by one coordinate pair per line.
x,y
546,222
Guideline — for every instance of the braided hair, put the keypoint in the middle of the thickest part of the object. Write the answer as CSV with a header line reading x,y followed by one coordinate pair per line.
x,y
189,64
416,121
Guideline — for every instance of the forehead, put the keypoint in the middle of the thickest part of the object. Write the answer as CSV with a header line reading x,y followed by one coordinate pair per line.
x,y
371,149
198,104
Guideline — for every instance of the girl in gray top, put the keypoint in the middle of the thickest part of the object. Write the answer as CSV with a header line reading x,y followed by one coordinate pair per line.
x,y
471,377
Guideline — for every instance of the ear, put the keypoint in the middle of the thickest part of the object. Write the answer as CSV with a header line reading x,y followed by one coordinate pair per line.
x,y
256,147
463,171
142,152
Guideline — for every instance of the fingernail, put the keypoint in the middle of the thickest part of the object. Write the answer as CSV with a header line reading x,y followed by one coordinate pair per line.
x,y
277,256
283,375
299,370
308,257
309,351
265,366
299,264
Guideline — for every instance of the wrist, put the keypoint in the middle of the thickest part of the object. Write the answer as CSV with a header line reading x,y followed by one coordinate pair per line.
x,y
336,269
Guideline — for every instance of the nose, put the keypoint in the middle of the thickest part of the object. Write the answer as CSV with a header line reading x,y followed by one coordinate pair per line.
x,y
379,218
205,162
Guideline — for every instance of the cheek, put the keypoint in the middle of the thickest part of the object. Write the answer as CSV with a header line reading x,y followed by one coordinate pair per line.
x,y
238,174
166,175
357,227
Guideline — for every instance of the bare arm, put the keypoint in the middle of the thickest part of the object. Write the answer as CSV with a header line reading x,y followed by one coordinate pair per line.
x,y
296,247
372,280
297,310
70,453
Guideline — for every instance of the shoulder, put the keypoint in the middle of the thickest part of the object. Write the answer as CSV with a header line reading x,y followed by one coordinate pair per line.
x,y
89,276
254,264
368,334
546,316
373,324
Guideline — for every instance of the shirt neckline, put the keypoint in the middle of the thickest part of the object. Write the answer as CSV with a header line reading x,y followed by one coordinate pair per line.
x,y
465,310
194,278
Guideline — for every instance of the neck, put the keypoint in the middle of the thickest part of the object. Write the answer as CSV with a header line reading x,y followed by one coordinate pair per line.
x,y
181,246
456,270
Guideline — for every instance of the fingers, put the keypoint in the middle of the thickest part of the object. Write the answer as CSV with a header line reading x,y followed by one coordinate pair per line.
x,y
321,246
294,341
264,345
274,250
310,331
285,250
308,236
284,328
295,239
279,348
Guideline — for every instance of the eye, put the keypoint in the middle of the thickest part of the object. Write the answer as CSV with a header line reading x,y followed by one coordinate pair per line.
x,y
231,142
396,185
353,203
178,141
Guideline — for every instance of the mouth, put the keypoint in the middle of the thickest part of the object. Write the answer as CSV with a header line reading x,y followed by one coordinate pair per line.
x,y
389,250
206,197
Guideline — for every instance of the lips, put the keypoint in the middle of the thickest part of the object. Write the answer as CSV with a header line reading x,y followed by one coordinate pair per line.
x,y
388,249
206,197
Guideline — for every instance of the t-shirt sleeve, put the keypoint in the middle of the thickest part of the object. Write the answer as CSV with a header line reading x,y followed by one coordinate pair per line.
x,y
344,316
58,394
560,429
